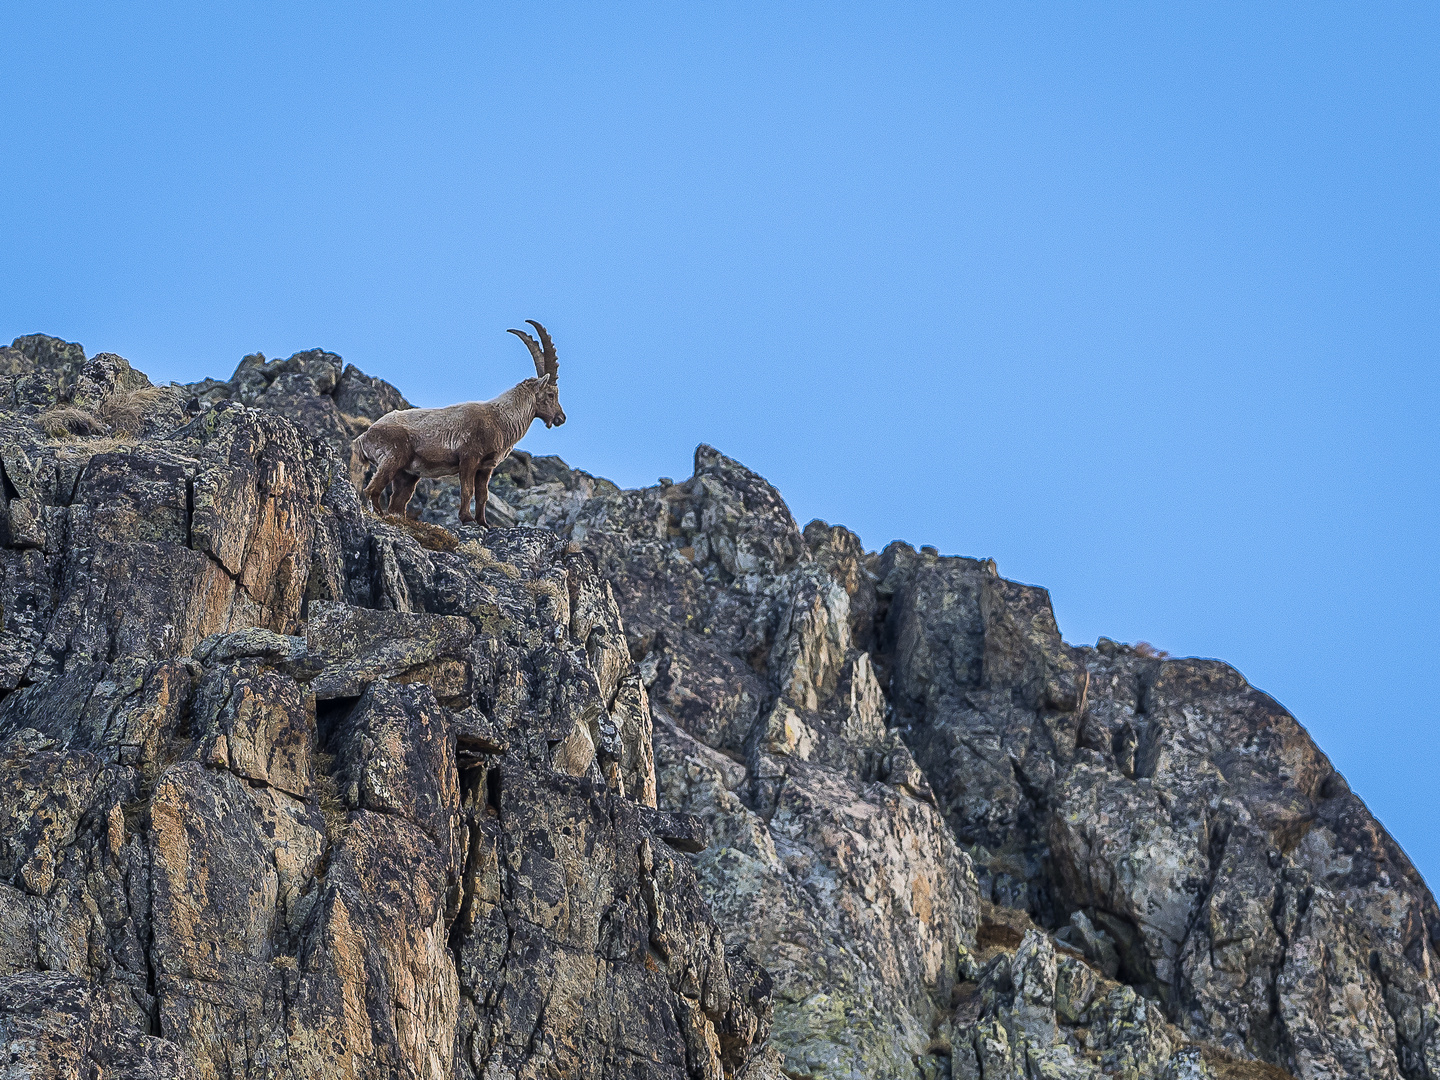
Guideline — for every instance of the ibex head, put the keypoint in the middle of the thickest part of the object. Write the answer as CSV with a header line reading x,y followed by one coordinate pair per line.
x,y
547,371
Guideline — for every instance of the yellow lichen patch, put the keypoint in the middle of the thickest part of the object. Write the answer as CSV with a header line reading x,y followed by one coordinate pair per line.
x,y
485,559
920,898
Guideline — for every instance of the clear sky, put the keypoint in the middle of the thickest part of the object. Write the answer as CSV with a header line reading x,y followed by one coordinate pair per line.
x,y
1140,300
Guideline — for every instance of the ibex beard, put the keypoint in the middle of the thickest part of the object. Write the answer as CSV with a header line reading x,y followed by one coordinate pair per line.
x,y
466,440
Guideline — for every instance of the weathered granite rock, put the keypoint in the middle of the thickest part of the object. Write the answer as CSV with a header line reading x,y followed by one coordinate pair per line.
x,y
54,1025
327,398
1186,815
1164,816
642,783
283,793
829,864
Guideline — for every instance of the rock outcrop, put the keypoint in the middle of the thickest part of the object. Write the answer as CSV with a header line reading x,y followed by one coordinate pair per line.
x,y
645,783
284,793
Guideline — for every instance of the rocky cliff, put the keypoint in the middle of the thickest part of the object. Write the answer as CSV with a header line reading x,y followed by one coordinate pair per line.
x,y
635,784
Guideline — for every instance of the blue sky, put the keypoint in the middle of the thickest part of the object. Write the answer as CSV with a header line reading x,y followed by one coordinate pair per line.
x,y
1141,300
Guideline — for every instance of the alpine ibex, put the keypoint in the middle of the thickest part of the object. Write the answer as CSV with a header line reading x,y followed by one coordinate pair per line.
x,y
467,440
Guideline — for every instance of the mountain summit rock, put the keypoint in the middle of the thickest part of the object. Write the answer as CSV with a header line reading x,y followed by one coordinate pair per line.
x,y
644,783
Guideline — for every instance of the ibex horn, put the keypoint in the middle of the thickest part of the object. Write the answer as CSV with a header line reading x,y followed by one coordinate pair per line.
x,y
534,347
552,362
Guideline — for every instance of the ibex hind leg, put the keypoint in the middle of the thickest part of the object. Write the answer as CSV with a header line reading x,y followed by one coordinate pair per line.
x,y
400,494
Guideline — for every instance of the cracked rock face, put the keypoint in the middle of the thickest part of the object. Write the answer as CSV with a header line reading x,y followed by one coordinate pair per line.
x,y
640,784
1181,811
284,793
829,864
1172,829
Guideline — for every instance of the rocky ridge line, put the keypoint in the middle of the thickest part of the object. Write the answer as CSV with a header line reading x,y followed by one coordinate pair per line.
x,y
284,793
941,841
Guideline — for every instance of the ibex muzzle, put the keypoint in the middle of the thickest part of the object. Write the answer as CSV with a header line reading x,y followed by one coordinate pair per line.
x,y
466,440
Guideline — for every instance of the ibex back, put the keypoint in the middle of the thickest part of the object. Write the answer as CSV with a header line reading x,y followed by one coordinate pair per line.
x,y
466,440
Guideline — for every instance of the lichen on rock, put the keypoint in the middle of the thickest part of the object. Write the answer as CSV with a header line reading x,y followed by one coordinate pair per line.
x,y
639,783
283,792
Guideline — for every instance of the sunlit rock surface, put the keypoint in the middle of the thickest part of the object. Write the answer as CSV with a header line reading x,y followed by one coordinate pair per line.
x,y
636,784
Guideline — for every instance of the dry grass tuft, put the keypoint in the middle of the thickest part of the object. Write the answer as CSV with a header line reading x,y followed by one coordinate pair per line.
x,y
356,424
997,935
127,409
1226,1066
120,422
68,422
74,452
327,796
137,817
430,537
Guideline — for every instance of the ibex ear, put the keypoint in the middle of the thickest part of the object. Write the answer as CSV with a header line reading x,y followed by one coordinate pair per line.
x,y
542,380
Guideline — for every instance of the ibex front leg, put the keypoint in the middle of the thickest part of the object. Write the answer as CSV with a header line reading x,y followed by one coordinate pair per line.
x,y
467,491
482,491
